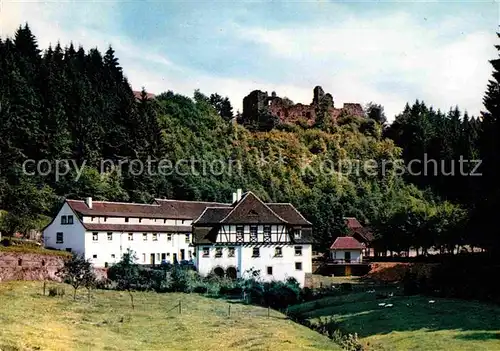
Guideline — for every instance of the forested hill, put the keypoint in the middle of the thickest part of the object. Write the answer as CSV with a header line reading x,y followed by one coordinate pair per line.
x,y
76,106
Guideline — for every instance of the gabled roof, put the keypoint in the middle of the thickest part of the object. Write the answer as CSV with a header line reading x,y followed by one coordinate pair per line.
x,y
352,222
355,227
289,213
251,210
109,227
346,243
182,209
213,215
116,209
160,208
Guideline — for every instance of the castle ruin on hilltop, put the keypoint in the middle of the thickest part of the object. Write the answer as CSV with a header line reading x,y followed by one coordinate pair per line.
x,y
259,103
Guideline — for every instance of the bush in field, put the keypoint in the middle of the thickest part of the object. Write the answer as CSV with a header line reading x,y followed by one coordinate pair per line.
x,y
179,279
125,274
78,272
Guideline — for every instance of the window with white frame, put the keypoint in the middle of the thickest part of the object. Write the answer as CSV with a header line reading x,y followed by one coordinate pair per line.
x,y
126,219
144,236
95,236
155,237
230,252
188,238
59,238
253,233
267,233
70,219
270,270
169,237
113,256
255,252
278,252
206,252
298,266
110,236
239,233
218,252
64,220
298,250
94,256
130,236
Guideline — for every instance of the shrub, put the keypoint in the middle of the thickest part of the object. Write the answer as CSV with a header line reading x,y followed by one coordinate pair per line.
x,y
56,291
346,287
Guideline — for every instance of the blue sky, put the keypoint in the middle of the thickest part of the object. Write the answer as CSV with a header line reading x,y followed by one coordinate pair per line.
x,y
387,52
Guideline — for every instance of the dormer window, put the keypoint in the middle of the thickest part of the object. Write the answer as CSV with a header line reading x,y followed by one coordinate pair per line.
x,y
126,219
105,219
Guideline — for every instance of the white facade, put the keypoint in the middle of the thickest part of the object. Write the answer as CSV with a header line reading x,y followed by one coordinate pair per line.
x,y
269,265
149,248
347,256
104,248
103,240
73,238
275,257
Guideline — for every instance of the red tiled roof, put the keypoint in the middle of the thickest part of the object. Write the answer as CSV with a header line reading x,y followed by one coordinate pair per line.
x,y
346,242
289,213
352,222
182,209
108,227
213,215
251,210
355,227
172,209
116,209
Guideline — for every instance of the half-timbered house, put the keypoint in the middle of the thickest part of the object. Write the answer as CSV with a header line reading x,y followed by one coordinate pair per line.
x,y
251,236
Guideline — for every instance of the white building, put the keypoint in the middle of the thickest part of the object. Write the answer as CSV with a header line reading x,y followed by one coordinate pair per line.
x,y
347,250
103,231
273,239
224,238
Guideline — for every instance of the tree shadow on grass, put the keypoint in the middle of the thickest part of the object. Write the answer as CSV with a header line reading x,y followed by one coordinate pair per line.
x,y
367,318
480,336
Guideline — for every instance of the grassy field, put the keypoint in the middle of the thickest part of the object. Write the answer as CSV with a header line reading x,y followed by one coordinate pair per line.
x,y
30,321
412,323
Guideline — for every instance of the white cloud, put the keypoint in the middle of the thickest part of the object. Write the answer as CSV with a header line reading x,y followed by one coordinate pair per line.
x,y
390,60
353,59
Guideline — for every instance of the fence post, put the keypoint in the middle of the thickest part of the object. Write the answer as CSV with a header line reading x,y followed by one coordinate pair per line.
x,y
268,311
229,310
44,283
180,307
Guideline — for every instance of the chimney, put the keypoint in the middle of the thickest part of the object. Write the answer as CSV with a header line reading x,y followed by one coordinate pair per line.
x,y
234,198
88,201
238,195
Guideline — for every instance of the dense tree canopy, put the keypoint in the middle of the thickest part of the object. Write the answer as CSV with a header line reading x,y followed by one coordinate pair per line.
x,y
76,110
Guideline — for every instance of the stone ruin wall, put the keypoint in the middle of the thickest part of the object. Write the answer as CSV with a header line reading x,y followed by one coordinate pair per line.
x,y
293,113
